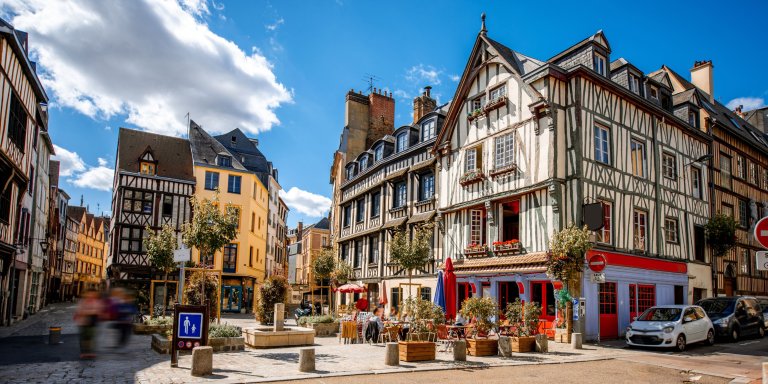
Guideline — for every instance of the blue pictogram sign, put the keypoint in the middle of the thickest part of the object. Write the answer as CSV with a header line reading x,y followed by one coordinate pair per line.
x,y
190,325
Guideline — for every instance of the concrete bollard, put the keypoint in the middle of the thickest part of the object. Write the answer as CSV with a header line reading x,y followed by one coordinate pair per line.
x,y
279,317
202,361
54,335
576,340
392,356
505,348
460,350
306,359
542,343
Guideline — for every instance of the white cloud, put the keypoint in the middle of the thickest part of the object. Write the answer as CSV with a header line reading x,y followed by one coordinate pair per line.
x,y
99,178
422,75
749,103
401,94
308,203
275,25
70,162
455,78
151,61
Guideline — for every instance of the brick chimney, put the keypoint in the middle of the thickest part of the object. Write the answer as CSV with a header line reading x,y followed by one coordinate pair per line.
x,y
423,104
381,115
701,77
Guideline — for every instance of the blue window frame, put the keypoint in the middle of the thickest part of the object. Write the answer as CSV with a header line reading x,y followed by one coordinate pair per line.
x,y
224,161
602,144
211,180
233,186
378,153
427,186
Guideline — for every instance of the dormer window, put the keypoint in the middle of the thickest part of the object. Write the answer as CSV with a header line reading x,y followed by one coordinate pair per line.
x,y
363,163
224,161
402,141
634,84
378,153
350,172
428,130
600,64
147,168
692,118
654,93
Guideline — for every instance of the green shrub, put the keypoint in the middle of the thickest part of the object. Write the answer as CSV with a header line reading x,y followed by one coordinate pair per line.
x,y
324,319
273,291
164,321
224,330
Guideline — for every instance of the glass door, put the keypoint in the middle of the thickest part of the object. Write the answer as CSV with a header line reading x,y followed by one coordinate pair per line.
x,y
231,298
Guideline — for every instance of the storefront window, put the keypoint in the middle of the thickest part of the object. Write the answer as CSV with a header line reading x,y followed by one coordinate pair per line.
x,y
544,294
508,292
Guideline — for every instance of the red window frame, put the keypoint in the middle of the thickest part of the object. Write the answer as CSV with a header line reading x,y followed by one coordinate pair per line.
x,y
546,286
641,297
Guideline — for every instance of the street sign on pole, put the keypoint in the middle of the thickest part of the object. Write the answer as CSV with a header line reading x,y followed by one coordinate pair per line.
x,y
190,329
182,255
597,263
761,232
761,258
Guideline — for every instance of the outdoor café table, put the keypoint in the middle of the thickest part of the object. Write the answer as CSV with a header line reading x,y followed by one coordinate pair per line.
x,y
454,330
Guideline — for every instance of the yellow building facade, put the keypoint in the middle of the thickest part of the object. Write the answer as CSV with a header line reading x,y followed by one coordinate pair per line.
x,y
89,255
243,261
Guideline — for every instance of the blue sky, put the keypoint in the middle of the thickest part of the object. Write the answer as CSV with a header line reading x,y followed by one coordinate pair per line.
x,y
290,63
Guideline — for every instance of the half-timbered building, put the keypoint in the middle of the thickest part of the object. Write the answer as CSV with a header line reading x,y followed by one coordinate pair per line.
x,y
153,185
532,142
391,186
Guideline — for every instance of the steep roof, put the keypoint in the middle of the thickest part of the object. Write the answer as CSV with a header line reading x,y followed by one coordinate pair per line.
x,y
598,38
322,224
205,148
19,47
521,63
248,153
173,156
75,212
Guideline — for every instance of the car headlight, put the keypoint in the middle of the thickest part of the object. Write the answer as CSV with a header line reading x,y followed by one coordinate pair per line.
x,y
669,329
721,321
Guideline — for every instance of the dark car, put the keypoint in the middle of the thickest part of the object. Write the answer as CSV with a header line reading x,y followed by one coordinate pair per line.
x,y
735,317
763,301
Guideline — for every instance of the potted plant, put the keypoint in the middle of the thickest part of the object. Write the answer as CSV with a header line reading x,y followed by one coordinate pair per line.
x,y
425,316
524,322
483,312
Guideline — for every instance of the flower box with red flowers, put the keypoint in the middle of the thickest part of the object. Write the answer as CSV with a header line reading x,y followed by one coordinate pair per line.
x,y
475,250
507,247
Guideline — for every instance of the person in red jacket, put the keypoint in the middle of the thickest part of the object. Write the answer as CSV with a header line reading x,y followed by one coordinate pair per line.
x,y
362,304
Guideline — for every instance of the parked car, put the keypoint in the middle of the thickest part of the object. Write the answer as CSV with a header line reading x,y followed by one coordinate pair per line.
x,y
735,317
763,301
671,326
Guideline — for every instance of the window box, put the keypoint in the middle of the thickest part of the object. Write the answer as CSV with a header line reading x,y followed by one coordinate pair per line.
x,y
475,250
510,247
495,103
505,170
476,114
472,177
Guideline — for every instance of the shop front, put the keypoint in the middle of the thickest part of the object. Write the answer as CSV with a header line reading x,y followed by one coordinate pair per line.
x,y
632,285
237,294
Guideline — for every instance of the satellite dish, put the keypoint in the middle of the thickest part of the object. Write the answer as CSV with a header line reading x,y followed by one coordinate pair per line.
x,y
593,216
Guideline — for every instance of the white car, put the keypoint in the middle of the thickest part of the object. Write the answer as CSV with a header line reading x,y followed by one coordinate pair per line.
x,y
671,326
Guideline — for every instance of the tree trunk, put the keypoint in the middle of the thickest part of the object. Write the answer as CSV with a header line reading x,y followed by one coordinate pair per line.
x,y
410,286
165,292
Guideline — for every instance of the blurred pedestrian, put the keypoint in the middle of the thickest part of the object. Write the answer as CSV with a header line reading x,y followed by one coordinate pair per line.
x,y
126,310
89,308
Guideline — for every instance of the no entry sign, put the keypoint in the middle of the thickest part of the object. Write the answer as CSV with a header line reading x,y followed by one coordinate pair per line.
x,y
597,263
761,232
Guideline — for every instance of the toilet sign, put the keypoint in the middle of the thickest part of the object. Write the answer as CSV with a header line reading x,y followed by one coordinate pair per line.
x,y
761,232
190,329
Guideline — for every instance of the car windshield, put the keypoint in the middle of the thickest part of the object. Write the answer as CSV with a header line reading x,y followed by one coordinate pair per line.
x,y
718,306
660,314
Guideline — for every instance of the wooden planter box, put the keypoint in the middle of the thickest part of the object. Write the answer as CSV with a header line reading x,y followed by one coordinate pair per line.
x,y
483,347
523,344
416,350
562,336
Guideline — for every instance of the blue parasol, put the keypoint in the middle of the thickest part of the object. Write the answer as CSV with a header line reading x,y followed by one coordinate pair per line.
x,y
439,292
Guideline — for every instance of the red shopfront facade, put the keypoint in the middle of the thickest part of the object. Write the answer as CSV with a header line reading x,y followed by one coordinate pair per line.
x,y
632,285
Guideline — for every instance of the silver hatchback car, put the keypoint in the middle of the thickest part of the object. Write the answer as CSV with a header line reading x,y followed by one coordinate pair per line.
x,y
671,326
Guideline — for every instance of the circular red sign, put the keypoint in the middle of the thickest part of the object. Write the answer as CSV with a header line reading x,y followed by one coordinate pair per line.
x,y
761,232
597,263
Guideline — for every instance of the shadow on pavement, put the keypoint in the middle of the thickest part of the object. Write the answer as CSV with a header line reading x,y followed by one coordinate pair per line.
x,y
35,349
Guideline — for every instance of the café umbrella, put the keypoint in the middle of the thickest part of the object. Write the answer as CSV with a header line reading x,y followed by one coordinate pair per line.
x,y
449,286
439,293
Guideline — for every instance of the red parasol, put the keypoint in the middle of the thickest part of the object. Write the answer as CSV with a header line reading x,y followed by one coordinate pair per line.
x,y
449,282
383,299
350,288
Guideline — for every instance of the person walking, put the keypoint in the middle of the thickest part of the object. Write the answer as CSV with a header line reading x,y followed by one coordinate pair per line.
x,y
89,308
126,310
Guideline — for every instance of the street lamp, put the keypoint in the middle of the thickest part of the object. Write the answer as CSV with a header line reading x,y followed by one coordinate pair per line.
x,y
44,246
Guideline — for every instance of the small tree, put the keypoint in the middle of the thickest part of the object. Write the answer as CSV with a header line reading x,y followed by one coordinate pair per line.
x,y
567,249
721,234
423,314
411,252
273,291
323,267
484,310
160,246
202,286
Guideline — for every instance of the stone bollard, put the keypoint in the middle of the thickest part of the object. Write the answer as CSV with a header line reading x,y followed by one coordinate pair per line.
x,y
765,373
542,343
576,340
202,361
392,356
279,317
306,359
460,350
505,348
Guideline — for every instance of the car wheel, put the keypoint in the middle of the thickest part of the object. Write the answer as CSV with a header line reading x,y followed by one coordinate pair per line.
x,y
735,334
711,337
680,344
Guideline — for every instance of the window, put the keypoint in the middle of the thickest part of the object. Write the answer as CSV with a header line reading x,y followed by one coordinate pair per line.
x,y
378,153
669,166
498,92
426,293
692,118
402,141
358,253
743,214
363,163
474,159
360,210
746,263
640,225
224,161
696,183
602,147
253,220
741,167
233,185
5,206
600,64
347,215
373,249
604,234
350,172
753,174
17,123
765,178
147,168
477,104
654,93
167,205
400,195
211,180
725,170
230,258
670,230
505,149
637,155
427,186
476,227
235,211
132,240
344,251
428,130
634,84
375,204
31,185
137,201
395,294
727,209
